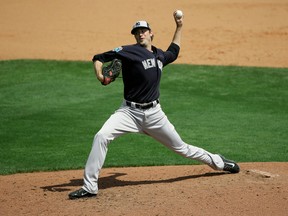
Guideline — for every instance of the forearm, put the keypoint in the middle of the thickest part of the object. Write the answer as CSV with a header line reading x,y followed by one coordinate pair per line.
x,y
98,61
177,36
98,70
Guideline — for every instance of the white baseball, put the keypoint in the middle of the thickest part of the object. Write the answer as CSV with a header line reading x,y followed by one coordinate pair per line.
x,y
179,14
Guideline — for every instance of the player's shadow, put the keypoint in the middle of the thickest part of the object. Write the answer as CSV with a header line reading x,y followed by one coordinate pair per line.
x,y
112,181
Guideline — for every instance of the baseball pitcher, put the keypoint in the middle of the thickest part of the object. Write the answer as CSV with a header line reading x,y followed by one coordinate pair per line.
x,y
140,112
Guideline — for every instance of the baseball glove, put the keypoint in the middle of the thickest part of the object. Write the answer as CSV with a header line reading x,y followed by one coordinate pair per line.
x,y
111,71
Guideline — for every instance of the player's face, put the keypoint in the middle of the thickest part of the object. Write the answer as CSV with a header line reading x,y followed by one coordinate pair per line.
x,y
143,36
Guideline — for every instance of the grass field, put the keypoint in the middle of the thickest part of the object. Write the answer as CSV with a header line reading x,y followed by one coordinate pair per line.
x,y
50,111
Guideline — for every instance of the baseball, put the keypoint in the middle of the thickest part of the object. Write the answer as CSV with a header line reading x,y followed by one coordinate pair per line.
x,y
179,14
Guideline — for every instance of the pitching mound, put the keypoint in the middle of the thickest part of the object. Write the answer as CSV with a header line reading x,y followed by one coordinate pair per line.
x,y
259,189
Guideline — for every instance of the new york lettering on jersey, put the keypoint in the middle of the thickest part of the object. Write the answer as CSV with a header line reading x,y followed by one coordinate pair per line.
x,y
150,63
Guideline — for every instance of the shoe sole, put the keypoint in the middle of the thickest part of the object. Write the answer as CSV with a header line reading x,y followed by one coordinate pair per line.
x,y
83,197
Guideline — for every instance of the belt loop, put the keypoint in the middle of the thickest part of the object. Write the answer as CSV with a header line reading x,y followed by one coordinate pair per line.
x,y
133,104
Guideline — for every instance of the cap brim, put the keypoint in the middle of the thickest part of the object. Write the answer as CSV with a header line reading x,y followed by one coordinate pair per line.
x,y
134,29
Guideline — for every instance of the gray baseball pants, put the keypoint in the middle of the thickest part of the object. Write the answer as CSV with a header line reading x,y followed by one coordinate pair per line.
x,y
152,122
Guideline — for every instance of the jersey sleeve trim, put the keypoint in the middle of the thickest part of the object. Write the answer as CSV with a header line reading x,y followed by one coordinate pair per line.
x,y
174,48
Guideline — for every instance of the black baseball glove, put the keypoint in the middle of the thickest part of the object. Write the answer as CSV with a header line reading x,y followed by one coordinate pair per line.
x,y
111,71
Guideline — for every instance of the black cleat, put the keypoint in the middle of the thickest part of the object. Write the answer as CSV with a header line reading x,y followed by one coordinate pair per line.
x,y
230,165
81,193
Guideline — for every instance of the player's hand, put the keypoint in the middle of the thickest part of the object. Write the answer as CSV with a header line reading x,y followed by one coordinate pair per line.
x,y
111,71
178,20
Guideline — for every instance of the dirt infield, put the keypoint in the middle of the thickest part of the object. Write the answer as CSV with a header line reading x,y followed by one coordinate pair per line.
x,y
216,32
225,32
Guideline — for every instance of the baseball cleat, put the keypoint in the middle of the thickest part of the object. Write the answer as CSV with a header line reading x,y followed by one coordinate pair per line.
x,y
81,193
230,165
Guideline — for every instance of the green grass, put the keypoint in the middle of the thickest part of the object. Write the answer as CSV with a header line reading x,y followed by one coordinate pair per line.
x,y
50,111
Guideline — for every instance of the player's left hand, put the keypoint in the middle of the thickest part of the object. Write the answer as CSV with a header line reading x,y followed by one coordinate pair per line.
x,y
111,72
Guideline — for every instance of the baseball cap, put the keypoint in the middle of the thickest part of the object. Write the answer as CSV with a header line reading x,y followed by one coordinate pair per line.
x,y
140,24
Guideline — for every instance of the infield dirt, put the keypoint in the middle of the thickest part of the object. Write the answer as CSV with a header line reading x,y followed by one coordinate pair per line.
x,y
215,32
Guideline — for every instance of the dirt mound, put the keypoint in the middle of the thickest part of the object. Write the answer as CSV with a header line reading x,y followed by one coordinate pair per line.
x,y
259,189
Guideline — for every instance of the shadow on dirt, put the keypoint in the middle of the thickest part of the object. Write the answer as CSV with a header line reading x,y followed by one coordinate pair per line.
x,y
112,181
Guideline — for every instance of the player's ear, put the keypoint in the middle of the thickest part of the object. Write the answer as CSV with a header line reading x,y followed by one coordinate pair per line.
x,y
151,35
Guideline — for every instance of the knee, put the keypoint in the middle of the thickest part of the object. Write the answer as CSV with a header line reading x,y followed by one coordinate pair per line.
x,y
189,151
101,138
182,149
